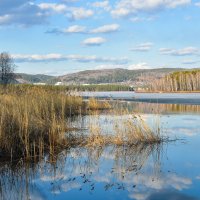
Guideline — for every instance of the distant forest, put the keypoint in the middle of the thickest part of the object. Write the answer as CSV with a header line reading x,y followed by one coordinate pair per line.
x,y
97,88
178,81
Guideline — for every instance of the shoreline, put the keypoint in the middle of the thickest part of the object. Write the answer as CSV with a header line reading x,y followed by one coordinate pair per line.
x,y
165,98
164,92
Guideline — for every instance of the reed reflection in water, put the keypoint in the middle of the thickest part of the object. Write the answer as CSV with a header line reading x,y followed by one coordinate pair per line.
x,y
156,108
87,169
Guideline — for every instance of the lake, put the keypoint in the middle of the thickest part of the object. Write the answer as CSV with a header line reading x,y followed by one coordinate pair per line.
x,y
175,98
166,171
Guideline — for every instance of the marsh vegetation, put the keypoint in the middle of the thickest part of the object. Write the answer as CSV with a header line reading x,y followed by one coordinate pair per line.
x,y
98,87
34,120
104,156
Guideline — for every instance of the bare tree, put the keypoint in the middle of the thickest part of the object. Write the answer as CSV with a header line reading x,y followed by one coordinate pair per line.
x,y
7,68
178,81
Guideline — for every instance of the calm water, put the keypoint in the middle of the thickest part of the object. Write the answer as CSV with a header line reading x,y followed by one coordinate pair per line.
x,y
167,98
170,171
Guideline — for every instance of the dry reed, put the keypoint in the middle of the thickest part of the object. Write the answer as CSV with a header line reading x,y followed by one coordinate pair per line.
x,y
33,121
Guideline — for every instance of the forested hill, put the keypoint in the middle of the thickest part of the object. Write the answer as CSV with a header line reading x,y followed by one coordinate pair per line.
x,y
137,78
33,78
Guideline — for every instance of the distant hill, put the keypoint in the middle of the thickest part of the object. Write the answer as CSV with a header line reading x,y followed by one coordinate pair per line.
x,y
30,78
137,78
123,76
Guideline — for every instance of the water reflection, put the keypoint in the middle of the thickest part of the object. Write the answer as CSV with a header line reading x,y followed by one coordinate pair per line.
x,y
156,108
141,172
88,169
132,171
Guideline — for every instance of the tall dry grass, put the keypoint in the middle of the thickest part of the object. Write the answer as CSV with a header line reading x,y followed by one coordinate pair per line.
x,y
126,129
94,104
34,119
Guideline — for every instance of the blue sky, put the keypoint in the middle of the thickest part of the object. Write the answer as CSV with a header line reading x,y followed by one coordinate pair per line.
x,y
65,36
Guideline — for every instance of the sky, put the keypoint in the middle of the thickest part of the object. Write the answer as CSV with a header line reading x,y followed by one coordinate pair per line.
x,y
57,37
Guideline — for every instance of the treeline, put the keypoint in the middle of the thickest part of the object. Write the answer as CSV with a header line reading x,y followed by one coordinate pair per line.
x,y
20,88
178,81
96,87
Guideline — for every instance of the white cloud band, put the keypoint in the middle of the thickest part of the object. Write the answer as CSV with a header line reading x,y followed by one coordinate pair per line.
x,y
19,58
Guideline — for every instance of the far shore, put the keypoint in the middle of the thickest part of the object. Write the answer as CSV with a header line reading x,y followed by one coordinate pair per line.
x,y
172,92
150,97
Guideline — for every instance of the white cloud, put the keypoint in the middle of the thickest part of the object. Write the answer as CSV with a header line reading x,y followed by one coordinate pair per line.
x,y
166,51
70,186
75,29
94,41
70,1
74,13
143,47
59,57
110,66
171,180
102,4
139,196
141,65
126,7
82,29
80,13
120,12
70,29
102,179
175,3
106,28
180,52
149,186
59,8
142,19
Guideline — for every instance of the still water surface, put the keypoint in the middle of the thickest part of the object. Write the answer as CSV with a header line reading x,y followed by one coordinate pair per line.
x,y
170,171
166,98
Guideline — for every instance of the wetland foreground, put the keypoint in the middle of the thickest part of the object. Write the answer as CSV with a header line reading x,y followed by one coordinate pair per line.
x,y
140,171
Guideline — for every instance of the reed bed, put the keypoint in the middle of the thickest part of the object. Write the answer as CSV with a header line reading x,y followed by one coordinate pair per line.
x,y
131,130
94,104
34,121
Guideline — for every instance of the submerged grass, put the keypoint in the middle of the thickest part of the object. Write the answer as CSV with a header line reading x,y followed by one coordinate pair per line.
x,y
33,122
